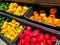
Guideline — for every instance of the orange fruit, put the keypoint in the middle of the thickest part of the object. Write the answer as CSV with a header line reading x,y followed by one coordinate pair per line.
x,y
42,15
51,16
56,21
50,22
35,12
32,17
45,18
58,24
35,17
39,19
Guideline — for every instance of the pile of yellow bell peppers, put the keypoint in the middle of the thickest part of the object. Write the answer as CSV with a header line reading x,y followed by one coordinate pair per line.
x,y
16,9
11,29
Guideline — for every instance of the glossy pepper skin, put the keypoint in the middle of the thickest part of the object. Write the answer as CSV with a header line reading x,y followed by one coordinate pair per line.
x,y
2,19
11,29
35,33
36,37
4,6
16,9
27,39
33,40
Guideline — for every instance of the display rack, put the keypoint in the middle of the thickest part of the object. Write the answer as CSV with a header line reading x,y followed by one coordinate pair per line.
x,y
32,3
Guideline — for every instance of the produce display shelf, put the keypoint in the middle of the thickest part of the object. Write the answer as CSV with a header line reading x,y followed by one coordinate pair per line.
x,y
46,8
41,31
33,24
33,7
20,5
57,33
26,21
5,38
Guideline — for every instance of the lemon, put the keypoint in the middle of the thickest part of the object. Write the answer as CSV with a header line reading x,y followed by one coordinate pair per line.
x,y
56,21
11,29
12,38
13,25
25,7
4,31
15,35
15,5
13,21
5,22
17,13
19,31
5,34
12,32
8,36
17,24
10,23
19,8
20,27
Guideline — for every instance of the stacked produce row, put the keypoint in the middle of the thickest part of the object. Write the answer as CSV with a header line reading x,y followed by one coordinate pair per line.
x,y
32,36
11,29
38,15
51,19
18,31
47,16
14,8
4,6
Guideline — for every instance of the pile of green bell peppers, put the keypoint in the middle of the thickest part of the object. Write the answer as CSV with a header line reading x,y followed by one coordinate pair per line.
x,y
4,6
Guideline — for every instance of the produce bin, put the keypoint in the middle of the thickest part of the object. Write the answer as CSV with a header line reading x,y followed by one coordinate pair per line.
x,y
3,18
43,28
3,6
8,40
41,31
46,8
5,38
19,4
5,41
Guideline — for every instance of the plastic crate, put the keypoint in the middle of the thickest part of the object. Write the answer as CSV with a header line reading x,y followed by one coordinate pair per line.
x,y
42,31
46,8
19,3
6,39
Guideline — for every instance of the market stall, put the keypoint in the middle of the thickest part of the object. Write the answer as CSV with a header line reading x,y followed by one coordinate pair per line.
x,y
18,18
